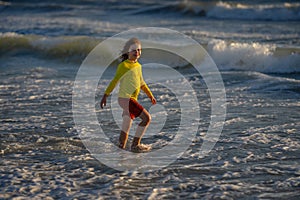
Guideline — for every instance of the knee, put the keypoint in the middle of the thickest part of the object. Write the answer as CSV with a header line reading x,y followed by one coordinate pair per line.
x,y
149,119
146,120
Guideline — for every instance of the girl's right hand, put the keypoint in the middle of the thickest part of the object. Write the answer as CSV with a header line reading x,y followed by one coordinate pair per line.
x,y
103,101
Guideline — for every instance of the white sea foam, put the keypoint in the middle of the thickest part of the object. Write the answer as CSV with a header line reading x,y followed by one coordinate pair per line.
x,y
276,11
258,151
253,57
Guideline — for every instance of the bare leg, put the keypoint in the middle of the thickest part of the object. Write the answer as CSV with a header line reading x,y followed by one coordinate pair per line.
x,y
126,124
142,127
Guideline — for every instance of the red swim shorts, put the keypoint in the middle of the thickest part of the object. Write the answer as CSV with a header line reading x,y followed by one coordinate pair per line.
x,y
130,107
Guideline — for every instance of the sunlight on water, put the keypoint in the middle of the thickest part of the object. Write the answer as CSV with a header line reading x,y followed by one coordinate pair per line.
x,y
256,47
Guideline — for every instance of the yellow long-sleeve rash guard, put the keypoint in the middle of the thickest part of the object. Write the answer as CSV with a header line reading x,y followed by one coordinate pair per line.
x,y
131,80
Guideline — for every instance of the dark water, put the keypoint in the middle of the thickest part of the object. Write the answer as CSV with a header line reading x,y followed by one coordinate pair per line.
x,y
256,48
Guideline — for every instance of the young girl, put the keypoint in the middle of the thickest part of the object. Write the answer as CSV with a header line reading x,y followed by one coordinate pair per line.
x,y
129,74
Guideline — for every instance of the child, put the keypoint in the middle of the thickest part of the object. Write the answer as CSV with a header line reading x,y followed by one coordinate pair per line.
x,y
129,74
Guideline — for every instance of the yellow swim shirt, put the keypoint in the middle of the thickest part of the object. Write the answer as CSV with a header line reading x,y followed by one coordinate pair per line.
x,y
131,80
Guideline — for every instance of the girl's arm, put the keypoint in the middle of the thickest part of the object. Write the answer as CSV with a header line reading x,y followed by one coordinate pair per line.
x,y
148,92
111,86
146,89
108,90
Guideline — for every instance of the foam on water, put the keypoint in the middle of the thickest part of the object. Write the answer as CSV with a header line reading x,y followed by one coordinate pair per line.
x,y
254,57
247,11
227,55
256,47
276,11
258,150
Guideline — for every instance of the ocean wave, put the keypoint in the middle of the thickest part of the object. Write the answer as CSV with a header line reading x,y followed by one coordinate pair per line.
x,y
258,57
36,7
280,11
75,47
275,12
228,55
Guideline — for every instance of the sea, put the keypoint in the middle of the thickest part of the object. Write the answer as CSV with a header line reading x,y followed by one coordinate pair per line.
x,y
255,46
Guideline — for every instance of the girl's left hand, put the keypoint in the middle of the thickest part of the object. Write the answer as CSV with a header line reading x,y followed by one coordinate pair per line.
x,y
153,101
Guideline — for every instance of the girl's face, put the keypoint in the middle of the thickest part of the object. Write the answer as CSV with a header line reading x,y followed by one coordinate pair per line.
x,y
135,51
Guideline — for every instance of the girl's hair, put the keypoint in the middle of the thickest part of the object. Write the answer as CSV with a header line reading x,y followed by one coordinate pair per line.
x,y
127,45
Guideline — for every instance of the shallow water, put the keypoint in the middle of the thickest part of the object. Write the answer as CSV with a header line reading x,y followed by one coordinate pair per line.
x,y
257,155
42,155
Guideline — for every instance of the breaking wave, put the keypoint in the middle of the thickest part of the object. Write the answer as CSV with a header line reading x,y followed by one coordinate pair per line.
x,y
279,11
228,55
